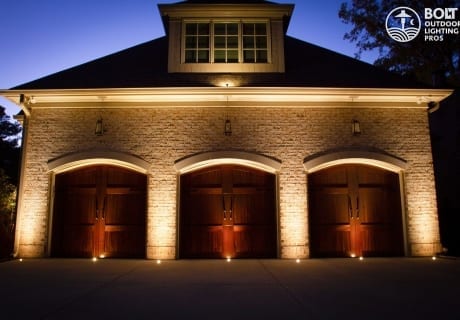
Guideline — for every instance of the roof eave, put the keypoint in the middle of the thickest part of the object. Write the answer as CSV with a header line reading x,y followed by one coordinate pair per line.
x,y
227,97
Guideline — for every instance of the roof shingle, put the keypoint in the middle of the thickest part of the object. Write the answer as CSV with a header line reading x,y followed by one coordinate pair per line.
x,y
145,65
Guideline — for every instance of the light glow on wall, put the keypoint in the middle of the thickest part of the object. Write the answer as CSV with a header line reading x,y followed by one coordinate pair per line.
x,y
29,229
293,218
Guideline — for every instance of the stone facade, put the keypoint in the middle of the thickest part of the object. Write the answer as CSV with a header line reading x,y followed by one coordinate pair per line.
x,y
163,135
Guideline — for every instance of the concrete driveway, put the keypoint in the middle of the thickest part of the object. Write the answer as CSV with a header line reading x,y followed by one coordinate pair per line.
x,y
377,288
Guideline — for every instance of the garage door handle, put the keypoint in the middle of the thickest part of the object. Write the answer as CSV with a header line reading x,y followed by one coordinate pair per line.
x,y
97,210
350,210
224,207
357,207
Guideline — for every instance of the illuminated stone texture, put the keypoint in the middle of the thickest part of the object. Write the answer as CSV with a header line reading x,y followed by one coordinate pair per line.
x,y
161,136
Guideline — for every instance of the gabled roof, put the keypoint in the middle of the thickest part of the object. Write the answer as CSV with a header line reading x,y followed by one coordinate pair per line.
x,y
145,66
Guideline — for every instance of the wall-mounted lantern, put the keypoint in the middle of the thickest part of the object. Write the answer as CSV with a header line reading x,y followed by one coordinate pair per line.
x,y
99,130
355,127
228,128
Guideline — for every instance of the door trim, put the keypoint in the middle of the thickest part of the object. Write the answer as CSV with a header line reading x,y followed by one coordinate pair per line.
x,y
96,157
276,204
207,159
64,167
377,159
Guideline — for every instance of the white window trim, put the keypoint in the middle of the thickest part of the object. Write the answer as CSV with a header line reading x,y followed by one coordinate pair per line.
x,y
240,41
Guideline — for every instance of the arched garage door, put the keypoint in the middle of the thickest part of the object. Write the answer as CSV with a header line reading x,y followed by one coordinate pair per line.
x,y
228,211
99,211
355,210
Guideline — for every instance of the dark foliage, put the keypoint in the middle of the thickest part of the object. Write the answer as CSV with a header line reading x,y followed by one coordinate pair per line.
x,y
9,164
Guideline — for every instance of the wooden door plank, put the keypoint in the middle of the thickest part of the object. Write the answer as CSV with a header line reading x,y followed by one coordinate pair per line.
x,y
235,194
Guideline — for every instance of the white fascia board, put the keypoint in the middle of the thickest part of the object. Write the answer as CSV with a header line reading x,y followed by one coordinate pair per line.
x,y
228,96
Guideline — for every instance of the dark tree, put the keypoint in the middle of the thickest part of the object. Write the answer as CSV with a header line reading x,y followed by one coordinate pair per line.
x,y
9,146
419,58
9,164
433,62
7,214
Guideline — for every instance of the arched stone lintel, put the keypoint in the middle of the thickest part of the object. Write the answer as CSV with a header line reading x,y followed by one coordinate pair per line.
x,y
207,159
381,160
81,159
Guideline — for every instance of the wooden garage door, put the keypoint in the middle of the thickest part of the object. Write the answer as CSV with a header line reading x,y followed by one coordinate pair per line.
x,y
355,210
228,211
99,211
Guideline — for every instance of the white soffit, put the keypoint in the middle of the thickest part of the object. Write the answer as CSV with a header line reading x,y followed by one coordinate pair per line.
x,y
230,97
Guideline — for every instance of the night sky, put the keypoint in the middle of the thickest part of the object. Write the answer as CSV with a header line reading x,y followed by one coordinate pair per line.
x,y
41,37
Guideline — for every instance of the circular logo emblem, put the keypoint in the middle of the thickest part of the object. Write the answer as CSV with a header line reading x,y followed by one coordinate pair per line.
x,y
403,24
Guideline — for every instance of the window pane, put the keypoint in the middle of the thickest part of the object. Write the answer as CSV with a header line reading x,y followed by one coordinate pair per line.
x,y
190,42
248,56
232,56
232,42
248,42
232,28
203,42
261,29
261,56
261,42
219,42
219,56
190,28
203,28
248,28
190,56
228,43
203,56
219,29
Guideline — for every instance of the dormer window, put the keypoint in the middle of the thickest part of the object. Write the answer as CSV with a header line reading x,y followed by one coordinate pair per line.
x,y
197,42
226,36
255,42
226,42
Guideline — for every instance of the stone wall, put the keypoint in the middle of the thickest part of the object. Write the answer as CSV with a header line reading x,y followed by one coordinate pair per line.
x,y
162,136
